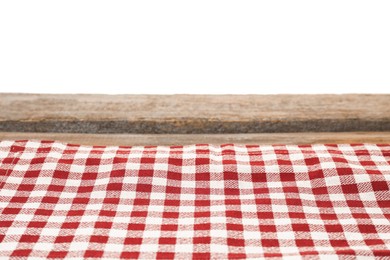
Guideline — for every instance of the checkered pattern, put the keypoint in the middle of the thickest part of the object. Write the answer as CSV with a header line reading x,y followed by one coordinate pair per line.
x,y
199,201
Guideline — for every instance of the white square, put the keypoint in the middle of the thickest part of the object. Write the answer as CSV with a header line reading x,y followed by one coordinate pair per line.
x,y
117,233
269,156
216,167
185,233
185,221
130,180
328,165
16,231
254,250
93,206
336,197
215,233
299,168
56,219
160,167
78,246
252,235
286,236
277,195
189,184
282,221
187,196
105,168
188,169
319,235
274,184
128,194
50,232
184,248
248,208
272,168
307,196
368,196
21,167
100,194
243,168
220,184
124,207
113,248
43,180
153,221
218,220
216,248
303,184
217,208
77,168
310,210
342,210
48,166
15,180
279,208
156,208
151,234
73,182
156,181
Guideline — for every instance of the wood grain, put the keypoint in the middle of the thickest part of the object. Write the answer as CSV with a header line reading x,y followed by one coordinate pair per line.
x,y
193,114
178,139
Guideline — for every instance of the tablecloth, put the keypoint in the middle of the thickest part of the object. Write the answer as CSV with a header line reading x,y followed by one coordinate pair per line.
x,y
201,201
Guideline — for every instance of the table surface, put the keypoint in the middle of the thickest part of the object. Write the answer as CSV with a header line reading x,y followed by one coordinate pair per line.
x,y
188,119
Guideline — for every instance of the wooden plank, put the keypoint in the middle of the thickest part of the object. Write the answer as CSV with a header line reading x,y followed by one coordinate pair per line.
x,y
193,114
177,139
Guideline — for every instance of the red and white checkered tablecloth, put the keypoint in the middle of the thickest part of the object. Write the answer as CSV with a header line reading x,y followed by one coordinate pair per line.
x,y
198,201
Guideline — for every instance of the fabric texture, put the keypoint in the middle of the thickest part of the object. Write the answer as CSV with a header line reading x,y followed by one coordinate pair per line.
x,y
194,202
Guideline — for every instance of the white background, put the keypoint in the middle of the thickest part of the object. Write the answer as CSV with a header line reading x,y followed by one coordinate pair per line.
x,y
200,46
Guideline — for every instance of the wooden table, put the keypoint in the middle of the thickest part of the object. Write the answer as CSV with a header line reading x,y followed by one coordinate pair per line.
x,y
188,119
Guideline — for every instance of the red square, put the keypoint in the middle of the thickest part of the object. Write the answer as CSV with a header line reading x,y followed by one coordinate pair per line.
x,y
233,214
234,227
57,254
304,242
133,241
29,239
165,255
134,226
99,239
235,242
21,252
144,187
334,228
93,253
350,188
339,243
267,228
64,239
202,161
265,215
300,227
270,242
202,226
129,255
174,190
167,240
168,214
202,240
103,224
230,191
367,229
380,186
169,227
174,175
202,203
